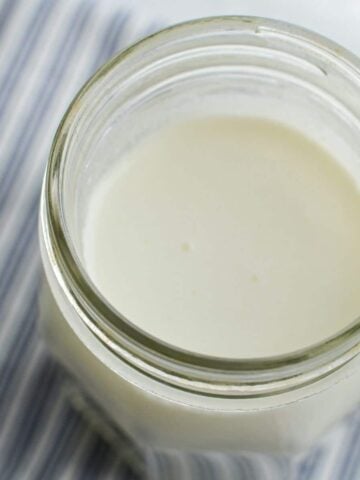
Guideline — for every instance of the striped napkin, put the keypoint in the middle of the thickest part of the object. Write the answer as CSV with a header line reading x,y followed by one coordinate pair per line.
x,y
48,48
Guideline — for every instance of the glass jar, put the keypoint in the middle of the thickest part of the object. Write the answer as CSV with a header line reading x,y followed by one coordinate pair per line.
x,y
163,397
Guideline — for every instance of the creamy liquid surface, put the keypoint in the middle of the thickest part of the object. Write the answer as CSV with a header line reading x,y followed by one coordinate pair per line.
x,y
232,237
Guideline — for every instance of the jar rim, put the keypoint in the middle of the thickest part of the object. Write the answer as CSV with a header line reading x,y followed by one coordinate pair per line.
x,y
184,369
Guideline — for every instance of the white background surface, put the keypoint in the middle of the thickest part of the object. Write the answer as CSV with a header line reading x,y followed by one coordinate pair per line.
x,y
336,19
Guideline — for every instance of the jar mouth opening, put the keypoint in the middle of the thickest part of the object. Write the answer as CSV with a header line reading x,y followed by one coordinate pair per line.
x,y
122,336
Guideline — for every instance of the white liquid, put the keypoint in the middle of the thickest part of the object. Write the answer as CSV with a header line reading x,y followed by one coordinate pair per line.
x,y
225,236
229,237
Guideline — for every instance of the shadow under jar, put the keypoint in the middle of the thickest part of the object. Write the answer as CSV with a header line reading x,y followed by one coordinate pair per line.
x,y
166,398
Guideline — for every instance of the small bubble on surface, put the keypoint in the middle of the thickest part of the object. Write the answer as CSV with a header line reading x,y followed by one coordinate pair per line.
x,y
185,247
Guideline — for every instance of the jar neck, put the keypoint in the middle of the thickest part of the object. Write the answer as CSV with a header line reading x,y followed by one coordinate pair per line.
x,y
241,51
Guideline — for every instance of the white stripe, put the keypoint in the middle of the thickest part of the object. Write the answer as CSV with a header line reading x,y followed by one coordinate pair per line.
x,y
333,447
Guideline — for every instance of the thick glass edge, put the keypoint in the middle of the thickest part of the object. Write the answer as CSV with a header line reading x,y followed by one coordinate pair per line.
x,y
68,265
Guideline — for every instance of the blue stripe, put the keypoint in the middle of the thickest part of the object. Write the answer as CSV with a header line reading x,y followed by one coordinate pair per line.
x,y
129,451
18,251
22,55
32,124
69,432
20,347
248,466
308,466
98,460
351,465
346,447
238,467
6,13
126,472
352,469
111,38
26,223
312,471
39,401
163,467
207,467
